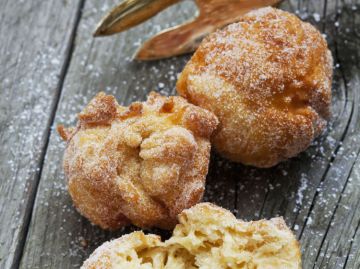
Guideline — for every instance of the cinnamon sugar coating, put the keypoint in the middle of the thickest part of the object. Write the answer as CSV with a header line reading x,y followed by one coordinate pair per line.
x,y
141,164
268,80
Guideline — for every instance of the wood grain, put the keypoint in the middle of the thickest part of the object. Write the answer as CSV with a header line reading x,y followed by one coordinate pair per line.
x,y
336,211
34,47
317,192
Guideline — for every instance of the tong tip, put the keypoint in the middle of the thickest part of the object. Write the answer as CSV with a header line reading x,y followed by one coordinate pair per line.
x,y
129,13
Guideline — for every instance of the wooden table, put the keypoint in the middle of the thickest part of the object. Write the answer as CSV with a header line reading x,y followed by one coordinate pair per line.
x,y
50,67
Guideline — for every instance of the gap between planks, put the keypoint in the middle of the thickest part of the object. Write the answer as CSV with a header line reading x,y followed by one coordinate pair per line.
x,y
29,208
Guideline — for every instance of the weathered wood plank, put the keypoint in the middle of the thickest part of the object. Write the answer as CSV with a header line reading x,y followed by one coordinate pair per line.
x,y
98,64
336,213
221,183
340,246
34,44
312,190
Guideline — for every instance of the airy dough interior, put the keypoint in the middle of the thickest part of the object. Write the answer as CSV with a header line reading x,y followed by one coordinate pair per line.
x,y
207,237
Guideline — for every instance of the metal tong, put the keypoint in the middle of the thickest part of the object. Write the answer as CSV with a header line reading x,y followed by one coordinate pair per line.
x,y
181,39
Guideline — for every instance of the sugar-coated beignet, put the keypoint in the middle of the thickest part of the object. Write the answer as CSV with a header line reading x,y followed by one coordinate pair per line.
x,y
268,80
141,164
207,237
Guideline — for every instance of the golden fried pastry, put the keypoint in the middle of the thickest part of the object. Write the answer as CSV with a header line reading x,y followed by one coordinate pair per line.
x,y
207,237
268,80
141,164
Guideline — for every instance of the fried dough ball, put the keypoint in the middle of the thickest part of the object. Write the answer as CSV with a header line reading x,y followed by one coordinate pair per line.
x,y
268,80
141,164
207,237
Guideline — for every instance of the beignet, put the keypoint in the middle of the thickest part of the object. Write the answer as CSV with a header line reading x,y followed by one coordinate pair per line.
x,y
141,164
207,237
268,80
